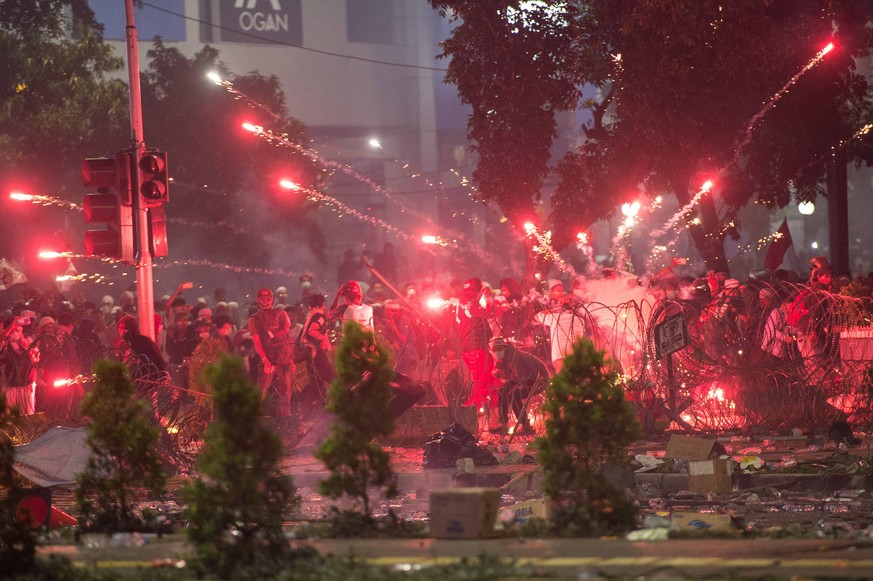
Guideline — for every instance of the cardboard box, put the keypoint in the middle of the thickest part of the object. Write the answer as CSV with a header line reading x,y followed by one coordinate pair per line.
x,y
711,476
530,509
702,521
463,513
689,448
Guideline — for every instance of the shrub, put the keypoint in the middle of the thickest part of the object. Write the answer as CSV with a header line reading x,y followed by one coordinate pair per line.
x,y
123,438
236,507
17,542
360,398
588,424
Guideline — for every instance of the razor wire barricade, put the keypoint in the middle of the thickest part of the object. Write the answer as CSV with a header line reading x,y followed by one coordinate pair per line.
x,y
762,356
756,357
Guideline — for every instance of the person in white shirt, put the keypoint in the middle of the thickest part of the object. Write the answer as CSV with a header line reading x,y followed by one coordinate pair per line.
x,y
355,309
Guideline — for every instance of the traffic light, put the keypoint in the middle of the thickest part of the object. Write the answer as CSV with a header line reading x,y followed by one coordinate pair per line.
x,y
154,179
158,231
107,174
111,206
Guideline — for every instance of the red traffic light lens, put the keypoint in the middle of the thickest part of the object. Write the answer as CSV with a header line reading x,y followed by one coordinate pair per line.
x,y
151,164
152,190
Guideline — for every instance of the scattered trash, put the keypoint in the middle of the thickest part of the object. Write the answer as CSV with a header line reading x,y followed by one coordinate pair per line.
x,y
647,491
513,457
751,463
648,462
752,451
658,534
445,448
654,521
854,493
465,466
118,540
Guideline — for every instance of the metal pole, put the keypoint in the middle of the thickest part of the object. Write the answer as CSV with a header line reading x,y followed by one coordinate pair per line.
x,y
144,281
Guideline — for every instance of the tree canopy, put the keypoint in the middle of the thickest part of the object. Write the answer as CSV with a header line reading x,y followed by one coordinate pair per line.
x,y
63,99
685,93
58,97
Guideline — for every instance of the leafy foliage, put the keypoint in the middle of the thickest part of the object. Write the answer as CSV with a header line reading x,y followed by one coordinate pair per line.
x,y
360,398
236,508
672,88
17,542
517,67
57,98
588,423
123,444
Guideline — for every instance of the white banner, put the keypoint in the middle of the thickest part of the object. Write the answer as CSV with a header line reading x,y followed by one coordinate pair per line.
x,y
10,275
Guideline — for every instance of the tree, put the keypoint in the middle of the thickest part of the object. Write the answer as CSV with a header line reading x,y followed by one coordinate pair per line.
x,y
588,424
681,83
58,102
17,542
360,397
236,507
123,443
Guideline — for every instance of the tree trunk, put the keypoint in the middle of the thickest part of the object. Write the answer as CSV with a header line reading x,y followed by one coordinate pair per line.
x,y
838,211
707,240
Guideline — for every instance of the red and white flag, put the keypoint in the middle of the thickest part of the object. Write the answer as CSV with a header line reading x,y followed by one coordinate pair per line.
x,y
778,247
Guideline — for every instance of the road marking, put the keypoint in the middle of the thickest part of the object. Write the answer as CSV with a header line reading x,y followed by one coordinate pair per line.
x,y
678,562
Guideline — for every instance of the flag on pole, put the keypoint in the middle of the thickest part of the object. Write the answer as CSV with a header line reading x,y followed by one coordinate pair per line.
x,y
10,275
778,247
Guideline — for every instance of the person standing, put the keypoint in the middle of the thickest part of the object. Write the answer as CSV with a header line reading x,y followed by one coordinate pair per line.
x,y
354,308
270,329
522,375
314,334
473,332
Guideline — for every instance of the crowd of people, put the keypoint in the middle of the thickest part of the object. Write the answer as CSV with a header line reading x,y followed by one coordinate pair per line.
x,y
511,337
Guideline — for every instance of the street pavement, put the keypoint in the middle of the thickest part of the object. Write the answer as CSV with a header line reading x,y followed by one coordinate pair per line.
x,y
807,511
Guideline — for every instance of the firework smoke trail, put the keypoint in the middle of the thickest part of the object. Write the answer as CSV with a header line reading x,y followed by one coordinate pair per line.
x,y
311,154
684,210
219,224
44,200
747,136
320,197
545,247
229,267
271,137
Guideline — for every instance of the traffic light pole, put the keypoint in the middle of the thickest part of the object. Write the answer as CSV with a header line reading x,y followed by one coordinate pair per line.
x,y
144,280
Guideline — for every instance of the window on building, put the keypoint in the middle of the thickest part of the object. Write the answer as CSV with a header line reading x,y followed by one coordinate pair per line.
x,y
370,21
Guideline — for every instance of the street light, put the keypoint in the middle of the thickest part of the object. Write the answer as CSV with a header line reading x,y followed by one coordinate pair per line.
x,y
806,208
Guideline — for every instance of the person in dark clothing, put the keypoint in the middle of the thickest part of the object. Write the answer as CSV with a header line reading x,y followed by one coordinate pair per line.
x,y
182,339
145,356
89,348
16,368
350,268
521,375
314,334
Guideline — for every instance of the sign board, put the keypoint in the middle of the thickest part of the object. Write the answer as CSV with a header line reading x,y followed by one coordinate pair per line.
x,y
261,21
670,335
